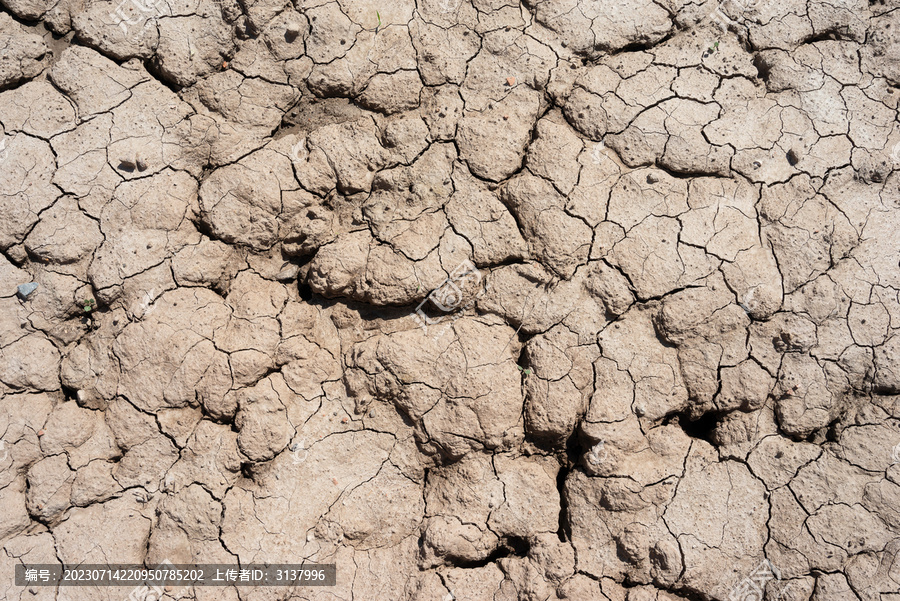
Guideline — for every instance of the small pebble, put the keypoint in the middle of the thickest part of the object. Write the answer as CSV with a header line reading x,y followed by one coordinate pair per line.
x,y
793,157
141,165
40,433
25,290
288,274
371,413
511,81
126,165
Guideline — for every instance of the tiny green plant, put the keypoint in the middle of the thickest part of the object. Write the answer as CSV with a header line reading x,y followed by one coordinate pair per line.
x,y
524,370
88,305
713,48
378,14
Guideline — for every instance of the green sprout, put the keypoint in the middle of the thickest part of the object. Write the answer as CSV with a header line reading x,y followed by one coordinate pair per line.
x,y
524,370
377,14
713,48
88,305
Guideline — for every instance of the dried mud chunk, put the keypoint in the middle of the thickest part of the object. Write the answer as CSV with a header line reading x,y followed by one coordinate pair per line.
x,y
94,483
810,396
210,459
146,464
457,382
553,155
881,55
264,429
493,146
744,386
392,93
148,221
590,27
64,234
254,105
530,500
443,53
722,218
633,344
117,528
887,359
337,265
37,108
121,31
30,362
441,108
79,433
557,393
560,241
732,525
240,203
331,33
49,487
187,529
645,192
807,233
25,188
459,500
95,83
338,463
210,263
191,47
353,152
379,513
23,53
169,360
635,527
654,261
478,215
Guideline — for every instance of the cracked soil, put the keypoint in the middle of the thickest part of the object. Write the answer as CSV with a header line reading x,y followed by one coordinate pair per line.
x,y
475,299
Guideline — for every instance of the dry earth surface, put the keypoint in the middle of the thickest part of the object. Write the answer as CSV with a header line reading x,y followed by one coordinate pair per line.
x,y
476,299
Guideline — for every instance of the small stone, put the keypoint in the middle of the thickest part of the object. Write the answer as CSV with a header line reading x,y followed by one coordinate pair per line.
x,y
25,290
126,165
652,178
793,157
371,413
141,164
288,274
510,81
40,433
292,31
